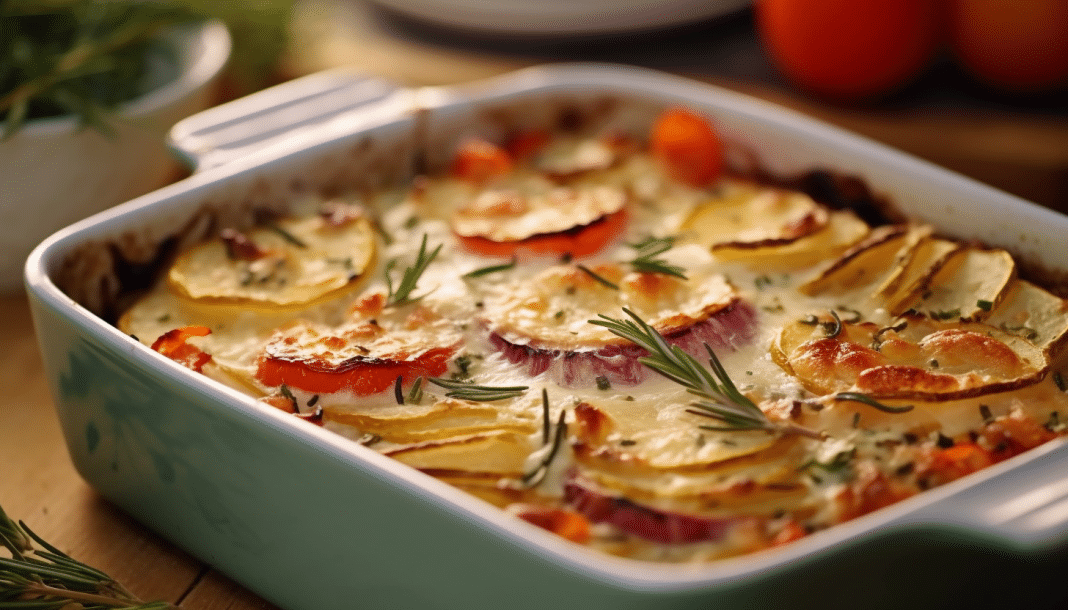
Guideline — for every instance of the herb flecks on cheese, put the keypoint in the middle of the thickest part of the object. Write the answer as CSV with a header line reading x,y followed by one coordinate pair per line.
x,y
655,369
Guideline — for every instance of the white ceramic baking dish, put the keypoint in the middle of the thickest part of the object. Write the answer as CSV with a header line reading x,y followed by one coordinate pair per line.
x,y
308,519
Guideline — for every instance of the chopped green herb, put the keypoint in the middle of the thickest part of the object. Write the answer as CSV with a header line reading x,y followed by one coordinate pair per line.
x,y
490,269
477,393
601,280
287,236
984,304
646,261
463,365
950,314
415,393
603,383
984,412
411,275
834,328
871,402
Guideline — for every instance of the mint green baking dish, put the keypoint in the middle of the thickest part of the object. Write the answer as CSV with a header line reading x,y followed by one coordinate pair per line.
x,y
308,519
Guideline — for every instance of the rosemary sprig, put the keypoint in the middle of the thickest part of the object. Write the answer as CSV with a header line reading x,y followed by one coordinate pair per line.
x,y
871,402
720,399
81,57
403,293
537,475
647,251
598,278
48,578
490,269
477,393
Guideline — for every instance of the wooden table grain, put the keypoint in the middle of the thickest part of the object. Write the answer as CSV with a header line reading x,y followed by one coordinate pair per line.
x,y
1022,151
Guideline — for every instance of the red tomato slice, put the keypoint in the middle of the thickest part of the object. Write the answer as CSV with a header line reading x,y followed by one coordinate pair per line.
x,y
479,161
579,241
526,144
688,146
362,377
172,344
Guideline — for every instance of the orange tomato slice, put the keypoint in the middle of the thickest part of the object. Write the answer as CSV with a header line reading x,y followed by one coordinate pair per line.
x,y
479,161
361,377
172,344
688,146
578,241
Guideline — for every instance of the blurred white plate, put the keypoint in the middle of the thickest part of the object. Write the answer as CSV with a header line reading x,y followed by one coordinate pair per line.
x,y
565,17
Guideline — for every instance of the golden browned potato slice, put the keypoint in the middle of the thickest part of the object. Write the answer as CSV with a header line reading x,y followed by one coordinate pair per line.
x,y
502,453
508,213
750,217
659,435
552,310
843,229
910,278
291,263
917,358
1034,314
868,261
969,286
444,419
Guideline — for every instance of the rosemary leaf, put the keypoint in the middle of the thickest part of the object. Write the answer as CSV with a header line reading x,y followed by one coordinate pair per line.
x,y
598,278
720,398
871,402
646,261
491,269
403,294
32,578
477,393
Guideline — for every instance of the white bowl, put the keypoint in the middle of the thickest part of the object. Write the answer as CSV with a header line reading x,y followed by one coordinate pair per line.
x,y
53,173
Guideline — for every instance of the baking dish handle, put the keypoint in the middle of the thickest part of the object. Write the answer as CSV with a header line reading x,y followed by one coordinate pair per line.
x,y
1026,504
236,129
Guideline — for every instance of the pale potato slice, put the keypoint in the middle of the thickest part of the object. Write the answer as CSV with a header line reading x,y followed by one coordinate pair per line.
x,y
552,310
843,229
511,214
292,263
444,419
921,359
752,218
571,156
868,261
910,280
973,281
503,453
661,436
1034,314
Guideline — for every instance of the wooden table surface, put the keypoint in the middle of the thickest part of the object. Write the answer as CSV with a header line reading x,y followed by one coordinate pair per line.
x,y
1021,149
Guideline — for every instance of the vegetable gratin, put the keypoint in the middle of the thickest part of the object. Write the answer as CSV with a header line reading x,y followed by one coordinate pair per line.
x,y
611,336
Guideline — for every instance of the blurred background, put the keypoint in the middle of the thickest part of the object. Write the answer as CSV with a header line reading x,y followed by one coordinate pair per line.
x,y
978,86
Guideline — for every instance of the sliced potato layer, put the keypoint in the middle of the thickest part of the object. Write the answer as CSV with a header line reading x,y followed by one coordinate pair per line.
x,y
867,262
290,263
915,359
513,213
552,310
1034,314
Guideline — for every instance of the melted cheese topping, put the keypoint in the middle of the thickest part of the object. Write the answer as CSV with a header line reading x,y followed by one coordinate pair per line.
x,y
657,478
